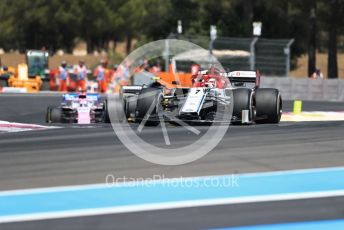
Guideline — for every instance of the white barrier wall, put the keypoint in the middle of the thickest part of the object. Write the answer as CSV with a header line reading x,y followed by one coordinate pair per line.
x,y
306,89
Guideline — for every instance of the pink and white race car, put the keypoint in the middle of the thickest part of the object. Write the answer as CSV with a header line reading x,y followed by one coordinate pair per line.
x,y
79,108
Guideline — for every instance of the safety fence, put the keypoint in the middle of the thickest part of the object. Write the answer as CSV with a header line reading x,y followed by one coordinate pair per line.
x,y
235,53
270,56
307,89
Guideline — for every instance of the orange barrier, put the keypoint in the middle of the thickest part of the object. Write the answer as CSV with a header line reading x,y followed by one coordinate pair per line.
x,y
31,85
175,80
22,80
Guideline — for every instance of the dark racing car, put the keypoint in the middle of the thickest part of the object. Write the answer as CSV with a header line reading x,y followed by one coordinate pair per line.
x,y
213,93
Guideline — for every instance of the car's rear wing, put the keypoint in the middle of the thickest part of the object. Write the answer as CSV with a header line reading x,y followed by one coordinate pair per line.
x,y
244,77
76,96
131,89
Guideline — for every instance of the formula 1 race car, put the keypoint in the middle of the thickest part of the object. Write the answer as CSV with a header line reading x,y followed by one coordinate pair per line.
x,y
212,93
79,108
264,104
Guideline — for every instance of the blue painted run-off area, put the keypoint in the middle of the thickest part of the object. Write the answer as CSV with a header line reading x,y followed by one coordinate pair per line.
x,y
312,225
200,188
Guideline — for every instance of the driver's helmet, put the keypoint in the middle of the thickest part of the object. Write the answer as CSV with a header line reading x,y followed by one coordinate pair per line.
x,y
211,83
194,72
83,103
195,69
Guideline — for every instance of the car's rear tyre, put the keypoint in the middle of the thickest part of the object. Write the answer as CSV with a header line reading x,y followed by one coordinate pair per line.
x,y
54,115
268,105
48,115
106,117
146,98
243,100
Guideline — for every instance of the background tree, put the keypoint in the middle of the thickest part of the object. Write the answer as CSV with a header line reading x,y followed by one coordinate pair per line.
x,y
333,23
57,24
309,8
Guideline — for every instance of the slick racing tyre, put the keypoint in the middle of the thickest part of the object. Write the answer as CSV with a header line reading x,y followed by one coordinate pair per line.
x,y
48,115
54,115
130,104
268,106
148,98
243,100
106,117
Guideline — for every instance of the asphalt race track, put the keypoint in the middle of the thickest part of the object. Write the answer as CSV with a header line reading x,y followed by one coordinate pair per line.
x,y
86,154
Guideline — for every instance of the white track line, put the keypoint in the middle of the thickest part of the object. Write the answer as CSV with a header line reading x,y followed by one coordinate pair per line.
x,y
168,205
120,184
10,127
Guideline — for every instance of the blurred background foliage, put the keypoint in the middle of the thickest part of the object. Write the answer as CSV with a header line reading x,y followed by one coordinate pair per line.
x,y
57,24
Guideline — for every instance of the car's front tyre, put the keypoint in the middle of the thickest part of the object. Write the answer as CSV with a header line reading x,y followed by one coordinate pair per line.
x,y
147,98
53,115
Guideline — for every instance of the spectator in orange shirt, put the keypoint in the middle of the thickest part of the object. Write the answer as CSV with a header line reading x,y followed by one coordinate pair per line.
x,y
81,76
103,75
63,77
